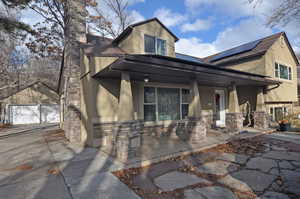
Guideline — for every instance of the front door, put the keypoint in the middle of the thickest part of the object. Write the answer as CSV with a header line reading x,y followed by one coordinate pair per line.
x,y
220,108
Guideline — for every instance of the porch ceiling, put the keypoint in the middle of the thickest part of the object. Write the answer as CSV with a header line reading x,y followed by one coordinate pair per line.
x,y
173,70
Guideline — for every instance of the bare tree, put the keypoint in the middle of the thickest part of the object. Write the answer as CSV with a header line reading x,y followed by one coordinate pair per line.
x,y
112,17
287,11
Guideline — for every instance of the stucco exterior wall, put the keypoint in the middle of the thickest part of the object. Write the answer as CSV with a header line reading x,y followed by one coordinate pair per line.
x,y
264,65
287,91
99,99
252,65
134,43
36,94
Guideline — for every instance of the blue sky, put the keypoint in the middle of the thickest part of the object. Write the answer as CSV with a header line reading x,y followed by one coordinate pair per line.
x,y
209,26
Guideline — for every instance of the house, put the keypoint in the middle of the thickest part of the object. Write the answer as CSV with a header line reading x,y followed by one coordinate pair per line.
x,y
33,103
272,56
137,84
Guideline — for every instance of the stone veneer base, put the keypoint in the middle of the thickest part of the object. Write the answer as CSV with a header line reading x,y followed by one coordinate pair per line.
x,y
261,120
234,122
124,139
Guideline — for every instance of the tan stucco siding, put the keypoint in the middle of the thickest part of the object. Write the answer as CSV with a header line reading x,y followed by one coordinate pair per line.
x,y
252,65
134,43
287,91
36,94
99,63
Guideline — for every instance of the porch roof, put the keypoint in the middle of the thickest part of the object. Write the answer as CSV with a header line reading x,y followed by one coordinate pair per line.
x,y
173,70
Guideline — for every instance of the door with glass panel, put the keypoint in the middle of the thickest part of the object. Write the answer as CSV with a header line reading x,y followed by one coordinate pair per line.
x,y
220,107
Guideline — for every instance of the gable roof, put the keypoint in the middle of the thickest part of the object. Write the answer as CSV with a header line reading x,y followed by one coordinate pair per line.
x,y
258,50
129,29
18,88
97,45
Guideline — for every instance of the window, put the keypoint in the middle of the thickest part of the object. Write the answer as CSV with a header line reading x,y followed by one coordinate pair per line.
x,y
185,99
155,45
276,70
162,104
150,44
283,72
290,73
149,104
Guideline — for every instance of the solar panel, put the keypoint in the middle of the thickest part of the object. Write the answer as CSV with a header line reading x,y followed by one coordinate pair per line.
x,y
188,58
240,49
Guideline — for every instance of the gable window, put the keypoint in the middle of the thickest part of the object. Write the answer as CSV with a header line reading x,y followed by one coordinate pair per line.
x,y
283,72
154,45
162,104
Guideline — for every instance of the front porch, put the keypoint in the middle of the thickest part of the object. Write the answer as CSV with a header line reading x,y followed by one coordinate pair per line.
x,y
155,149
140,114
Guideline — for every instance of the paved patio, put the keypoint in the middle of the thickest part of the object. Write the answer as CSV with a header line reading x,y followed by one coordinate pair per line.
x,y
264,167
43,165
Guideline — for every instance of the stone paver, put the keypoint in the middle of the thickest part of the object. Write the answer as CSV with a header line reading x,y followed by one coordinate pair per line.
x,y
217,168
273,195
214,192
282,155
291,181
235,183
175,180
231,157
256,180
261,163
285,165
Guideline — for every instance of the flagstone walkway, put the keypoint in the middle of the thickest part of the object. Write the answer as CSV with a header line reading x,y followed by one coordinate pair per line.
x,y
265,167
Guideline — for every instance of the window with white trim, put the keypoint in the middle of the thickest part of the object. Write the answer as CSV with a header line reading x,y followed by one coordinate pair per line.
x,y
162,104
283,72
154,45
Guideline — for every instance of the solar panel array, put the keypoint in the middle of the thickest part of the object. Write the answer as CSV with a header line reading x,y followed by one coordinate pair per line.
x,y
240,49
188,58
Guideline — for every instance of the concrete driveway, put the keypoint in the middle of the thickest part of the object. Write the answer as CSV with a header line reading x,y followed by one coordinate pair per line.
x,y
41,165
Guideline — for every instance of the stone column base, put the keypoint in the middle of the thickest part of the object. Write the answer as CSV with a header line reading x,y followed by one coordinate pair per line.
x,y
128,139
261,120
234,122
120,139
194,129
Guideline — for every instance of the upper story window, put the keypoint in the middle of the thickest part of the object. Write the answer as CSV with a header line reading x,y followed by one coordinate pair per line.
x,y
154,45
283,72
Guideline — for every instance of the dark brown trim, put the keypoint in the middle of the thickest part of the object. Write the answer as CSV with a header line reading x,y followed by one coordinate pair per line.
x,y
284,102
129,29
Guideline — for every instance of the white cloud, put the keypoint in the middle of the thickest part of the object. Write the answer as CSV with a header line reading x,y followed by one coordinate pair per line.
x,y
195,47
169,18
198,25
246,31
230,37
136,16
232,8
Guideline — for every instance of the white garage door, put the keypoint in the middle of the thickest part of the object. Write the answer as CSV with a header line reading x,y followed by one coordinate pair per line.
x,y
34,114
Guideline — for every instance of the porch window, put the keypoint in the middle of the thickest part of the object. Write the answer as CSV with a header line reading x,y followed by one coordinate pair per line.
x,y
149,104
283,72
162,104
154,45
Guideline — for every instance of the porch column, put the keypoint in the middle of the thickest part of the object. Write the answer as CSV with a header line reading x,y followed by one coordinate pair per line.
x,y
234,118
260,115
125,108
196,127
127,130
195,105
